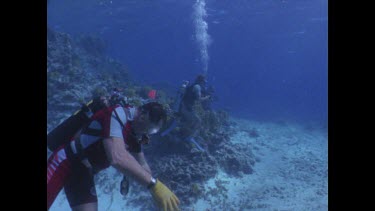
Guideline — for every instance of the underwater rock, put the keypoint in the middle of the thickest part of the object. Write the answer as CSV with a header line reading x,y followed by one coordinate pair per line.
x,y
51,35
181,171
73,71
253,132
235,159
93,45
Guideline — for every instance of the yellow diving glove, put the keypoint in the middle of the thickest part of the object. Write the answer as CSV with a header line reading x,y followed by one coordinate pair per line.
x,y
164,198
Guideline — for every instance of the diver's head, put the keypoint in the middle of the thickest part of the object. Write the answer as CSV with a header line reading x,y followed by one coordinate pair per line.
x,y
100,96
150,119
117,97
201,79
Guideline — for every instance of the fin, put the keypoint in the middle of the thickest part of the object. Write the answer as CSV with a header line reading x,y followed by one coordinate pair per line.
x,y
191,139
170,128
124,186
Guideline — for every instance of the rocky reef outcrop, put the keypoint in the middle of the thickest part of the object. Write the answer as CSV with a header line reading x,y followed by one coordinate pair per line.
x,y
75,68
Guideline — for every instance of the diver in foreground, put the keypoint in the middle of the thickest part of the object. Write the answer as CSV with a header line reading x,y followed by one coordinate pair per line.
x,y
114,137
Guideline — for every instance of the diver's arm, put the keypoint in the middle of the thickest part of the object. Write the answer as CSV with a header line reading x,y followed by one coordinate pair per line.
x,y
198,92
140,157
205,98
123,161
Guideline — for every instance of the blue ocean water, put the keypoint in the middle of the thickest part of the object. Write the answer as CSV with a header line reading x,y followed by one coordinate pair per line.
x,y
267,59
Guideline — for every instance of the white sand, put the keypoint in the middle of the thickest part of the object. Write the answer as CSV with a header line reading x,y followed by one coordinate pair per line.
x,y
291,174
286,176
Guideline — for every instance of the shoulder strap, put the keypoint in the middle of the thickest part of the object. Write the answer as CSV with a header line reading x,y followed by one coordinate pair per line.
x,y
81,152
118,118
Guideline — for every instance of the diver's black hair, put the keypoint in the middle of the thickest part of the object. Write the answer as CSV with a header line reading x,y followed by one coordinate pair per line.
x,y
156,112
200,78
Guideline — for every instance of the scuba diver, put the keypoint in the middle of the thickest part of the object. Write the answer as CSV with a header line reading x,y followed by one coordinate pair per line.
x,y
113,137
192,95
188,95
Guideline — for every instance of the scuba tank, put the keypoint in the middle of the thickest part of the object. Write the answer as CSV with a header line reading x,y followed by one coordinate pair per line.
x,y
69,127
180,95
64,132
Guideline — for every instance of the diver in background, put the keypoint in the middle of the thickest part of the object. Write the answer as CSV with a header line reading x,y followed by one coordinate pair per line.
x,y
193,94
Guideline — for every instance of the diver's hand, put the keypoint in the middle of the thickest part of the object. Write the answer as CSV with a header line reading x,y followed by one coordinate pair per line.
x,y
207,97
164,198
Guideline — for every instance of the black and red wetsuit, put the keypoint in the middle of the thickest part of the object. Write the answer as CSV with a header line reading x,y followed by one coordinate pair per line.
x,y
64,166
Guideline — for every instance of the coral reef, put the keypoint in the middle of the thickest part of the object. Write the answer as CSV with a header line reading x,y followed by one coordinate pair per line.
x,y
93,45
72,75
235,159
